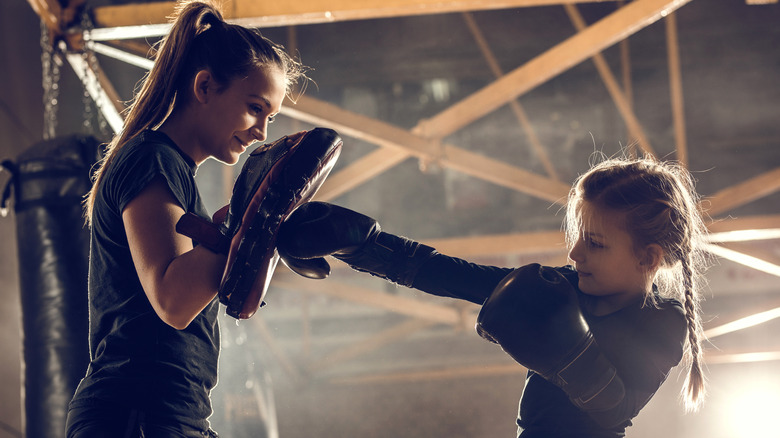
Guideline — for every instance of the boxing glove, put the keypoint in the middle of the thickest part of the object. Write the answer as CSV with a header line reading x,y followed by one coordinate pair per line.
x,y
211,235
318,229
534,315
275,179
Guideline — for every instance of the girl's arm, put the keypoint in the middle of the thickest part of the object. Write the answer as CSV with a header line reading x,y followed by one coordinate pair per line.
x,y
318,229
452,277
178,280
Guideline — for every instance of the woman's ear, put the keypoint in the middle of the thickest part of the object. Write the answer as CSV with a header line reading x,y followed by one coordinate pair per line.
x,y
651,257
202,86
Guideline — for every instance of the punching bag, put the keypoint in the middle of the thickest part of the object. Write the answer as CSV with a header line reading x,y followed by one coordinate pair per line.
x,y
49,181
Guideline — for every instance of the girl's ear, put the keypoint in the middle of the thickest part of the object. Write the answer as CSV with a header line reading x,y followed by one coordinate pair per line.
x,y
651,257
202,86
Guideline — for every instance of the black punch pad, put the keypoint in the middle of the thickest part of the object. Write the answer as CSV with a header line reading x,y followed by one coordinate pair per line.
x,y
275,180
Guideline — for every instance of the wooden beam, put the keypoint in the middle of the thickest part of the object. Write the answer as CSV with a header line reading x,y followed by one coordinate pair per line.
x,y
405,142
515,243
760,222
359,171
443,373
621,102
59,17
675,86
517,109
744,259
724,357
356,125
751,249
744,321
743,193
255,13
50,12
746,235
625,70
500,173
443,314
371,343
615,27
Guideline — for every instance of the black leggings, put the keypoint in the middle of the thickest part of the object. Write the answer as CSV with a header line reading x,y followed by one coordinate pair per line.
x,y
110,422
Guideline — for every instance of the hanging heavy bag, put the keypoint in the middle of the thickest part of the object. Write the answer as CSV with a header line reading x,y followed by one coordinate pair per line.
x,y
47,186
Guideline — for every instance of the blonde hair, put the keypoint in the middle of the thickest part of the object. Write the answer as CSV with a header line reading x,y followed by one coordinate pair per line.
x,y
199,39
661,207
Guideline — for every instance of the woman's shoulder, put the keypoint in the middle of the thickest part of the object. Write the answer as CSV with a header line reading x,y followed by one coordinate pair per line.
x,y
148,144
143,158
148,154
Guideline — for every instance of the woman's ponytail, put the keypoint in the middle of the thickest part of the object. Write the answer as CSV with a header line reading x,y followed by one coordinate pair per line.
x,y
167,78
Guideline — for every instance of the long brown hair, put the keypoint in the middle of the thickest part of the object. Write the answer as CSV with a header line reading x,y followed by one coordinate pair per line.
x,y
199,39
661,207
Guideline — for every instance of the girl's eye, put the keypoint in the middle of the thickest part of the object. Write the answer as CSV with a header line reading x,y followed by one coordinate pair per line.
x,y
592,243
271,119
255,109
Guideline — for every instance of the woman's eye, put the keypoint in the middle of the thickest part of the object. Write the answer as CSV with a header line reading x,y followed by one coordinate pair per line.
x,y
255,109
271,119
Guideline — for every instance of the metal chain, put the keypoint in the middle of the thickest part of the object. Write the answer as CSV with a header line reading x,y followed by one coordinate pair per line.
x,y
92,110
50,63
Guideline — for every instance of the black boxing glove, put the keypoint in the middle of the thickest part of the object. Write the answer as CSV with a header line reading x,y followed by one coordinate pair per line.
x,y
534,315
318,229
315,268
275,179
212,235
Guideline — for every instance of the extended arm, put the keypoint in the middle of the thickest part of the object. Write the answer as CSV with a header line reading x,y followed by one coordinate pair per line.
x,y
317,229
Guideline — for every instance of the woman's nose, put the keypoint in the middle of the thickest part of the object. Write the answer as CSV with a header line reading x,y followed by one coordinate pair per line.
x,y
258,132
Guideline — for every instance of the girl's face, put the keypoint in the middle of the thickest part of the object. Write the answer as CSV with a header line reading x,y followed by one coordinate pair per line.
x,y
238,115
607,264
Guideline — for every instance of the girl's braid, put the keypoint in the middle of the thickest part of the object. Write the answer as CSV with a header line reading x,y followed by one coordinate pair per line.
x,y
694,383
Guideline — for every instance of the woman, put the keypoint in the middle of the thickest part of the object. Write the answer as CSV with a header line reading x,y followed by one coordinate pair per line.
x,y
154,337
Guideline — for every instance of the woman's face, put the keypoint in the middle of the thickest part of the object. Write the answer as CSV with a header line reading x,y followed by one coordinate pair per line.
x,y
238,115
604,256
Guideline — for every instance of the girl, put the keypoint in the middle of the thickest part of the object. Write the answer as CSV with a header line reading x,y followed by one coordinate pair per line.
x,y
599,337
154,338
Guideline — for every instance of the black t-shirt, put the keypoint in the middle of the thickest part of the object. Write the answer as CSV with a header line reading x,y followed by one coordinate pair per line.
x,y
643,341
137,360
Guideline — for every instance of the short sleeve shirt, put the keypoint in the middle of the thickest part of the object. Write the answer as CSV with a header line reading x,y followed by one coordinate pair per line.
x,y
136,359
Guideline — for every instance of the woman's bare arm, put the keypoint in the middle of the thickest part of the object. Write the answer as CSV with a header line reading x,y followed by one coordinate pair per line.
x,y
179,280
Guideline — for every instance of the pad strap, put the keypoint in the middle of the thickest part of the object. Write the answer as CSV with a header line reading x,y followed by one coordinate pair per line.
x,y
203,231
